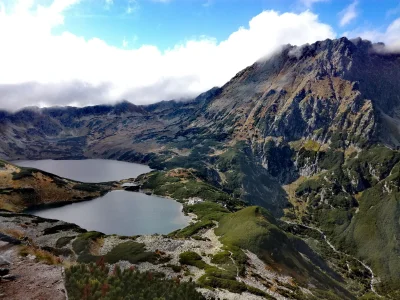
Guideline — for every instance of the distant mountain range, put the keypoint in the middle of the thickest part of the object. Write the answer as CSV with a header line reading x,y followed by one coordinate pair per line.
x,y
309,134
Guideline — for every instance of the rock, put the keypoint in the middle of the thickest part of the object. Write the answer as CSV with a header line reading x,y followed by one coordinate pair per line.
x,y
9,277
9,239
4,261
4,271
132,188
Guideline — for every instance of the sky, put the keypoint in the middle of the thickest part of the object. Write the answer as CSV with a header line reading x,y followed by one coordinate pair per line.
x,y
87,52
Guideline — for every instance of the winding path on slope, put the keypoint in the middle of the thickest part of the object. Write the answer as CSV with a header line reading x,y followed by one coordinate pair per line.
x,y
373,278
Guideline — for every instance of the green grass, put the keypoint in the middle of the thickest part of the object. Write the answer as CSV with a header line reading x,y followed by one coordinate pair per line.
x,y
63,241
193,229
311,145
255,229
207,213
184,188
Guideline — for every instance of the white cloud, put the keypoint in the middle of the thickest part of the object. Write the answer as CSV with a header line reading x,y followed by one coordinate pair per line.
x,y
310,3
125,43
390,36
35,58
348,14
132,7
393,11
109,3
207,3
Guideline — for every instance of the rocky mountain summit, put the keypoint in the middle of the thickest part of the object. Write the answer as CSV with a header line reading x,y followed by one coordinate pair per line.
x,y
311,134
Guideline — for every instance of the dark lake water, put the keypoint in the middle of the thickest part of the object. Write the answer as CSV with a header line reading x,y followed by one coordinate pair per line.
x,y
88,170
118,212
123,213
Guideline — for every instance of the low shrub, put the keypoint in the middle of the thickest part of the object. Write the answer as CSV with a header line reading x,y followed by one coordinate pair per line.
x,y
87,187
222,257
192,259
82,242
95,282
130,251
23,173
175,268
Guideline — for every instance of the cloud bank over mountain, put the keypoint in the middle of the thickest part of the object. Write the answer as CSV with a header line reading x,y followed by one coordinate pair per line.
x,y
42,68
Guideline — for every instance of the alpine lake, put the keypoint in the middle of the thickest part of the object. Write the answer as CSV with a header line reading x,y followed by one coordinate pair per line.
x,y
118,212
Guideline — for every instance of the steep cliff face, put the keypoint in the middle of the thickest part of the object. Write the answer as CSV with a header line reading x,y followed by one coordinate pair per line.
x,y
318,91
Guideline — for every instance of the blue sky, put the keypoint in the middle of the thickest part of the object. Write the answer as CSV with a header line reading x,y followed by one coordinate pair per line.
x,y
84,52
166,23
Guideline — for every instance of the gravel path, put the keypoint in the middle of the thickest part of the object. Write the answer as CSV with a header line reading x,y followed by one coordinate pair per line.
x,y
223,294
35,280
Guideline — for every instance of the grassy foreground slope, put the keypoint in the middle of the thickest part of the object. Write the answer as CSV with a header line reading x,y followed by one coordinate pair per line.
x,y
255,229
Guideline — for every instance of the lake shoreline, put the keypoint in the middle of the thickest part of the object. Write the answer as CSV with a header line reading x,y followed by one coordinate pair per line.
x,y
119,212
137,212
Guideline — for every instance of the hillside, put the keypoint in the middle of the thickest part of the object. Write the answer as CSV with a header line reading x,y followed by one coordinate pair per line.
x,y
310,134
229,266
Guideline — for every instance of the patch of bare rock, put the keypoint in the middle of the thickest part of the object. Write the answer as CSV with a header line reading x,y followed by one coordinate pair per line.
x,y
32,280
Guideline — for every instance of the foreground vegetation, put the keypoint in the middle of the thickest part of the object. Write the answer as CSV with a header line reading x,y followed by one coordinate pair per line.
x,y
182,184
93,281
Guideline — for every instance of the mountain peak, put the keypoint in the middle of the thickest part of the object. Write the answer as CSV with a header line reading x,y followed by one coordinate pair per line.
x,y
316,91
